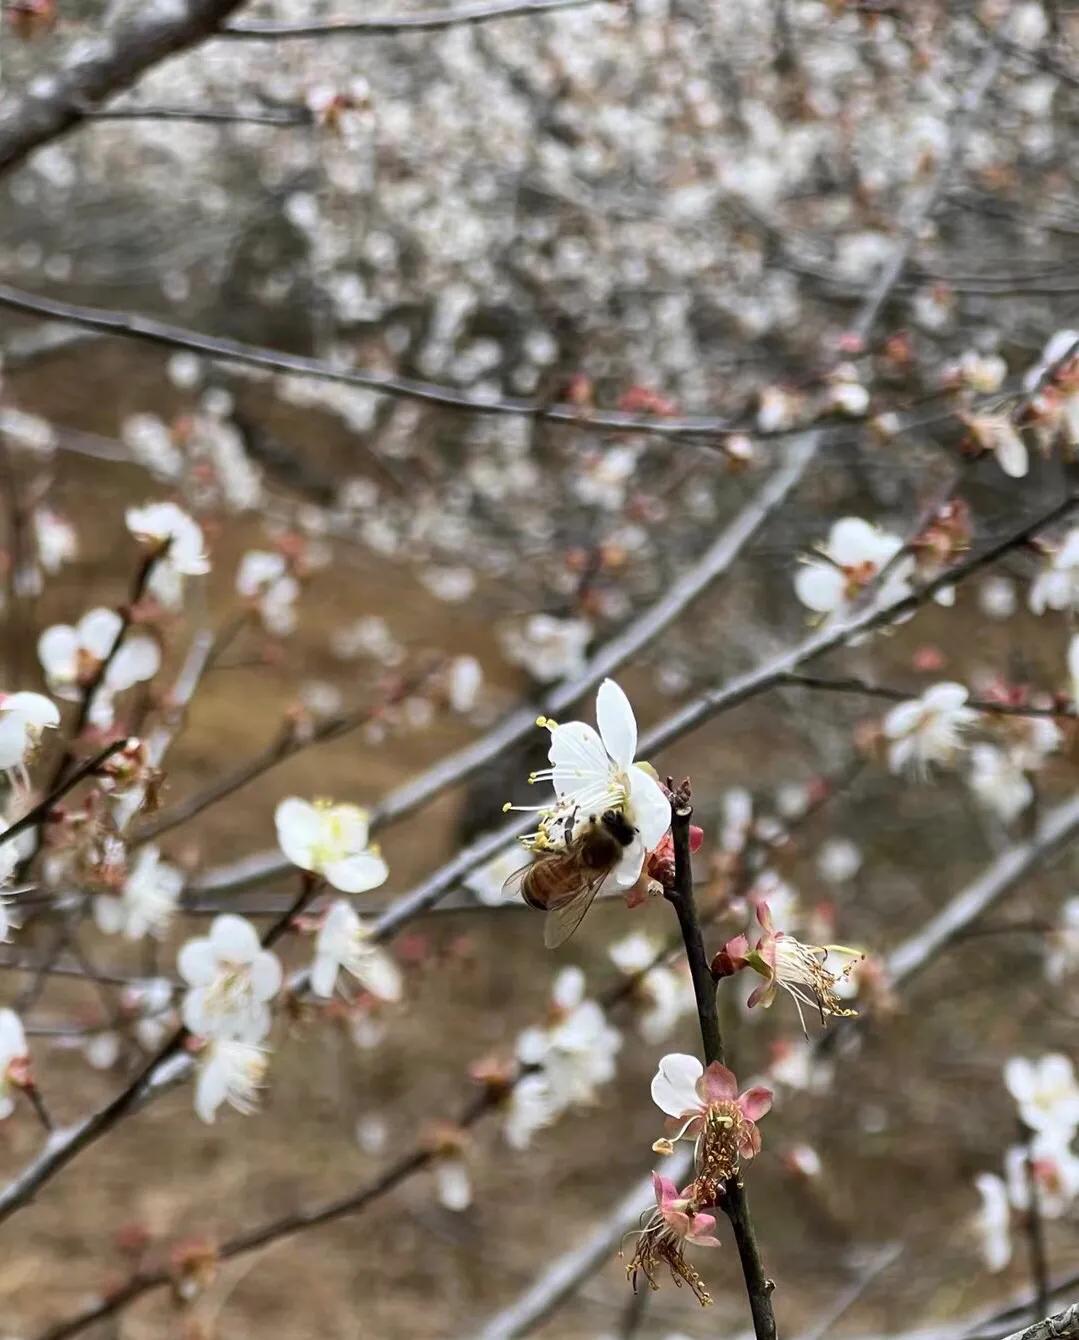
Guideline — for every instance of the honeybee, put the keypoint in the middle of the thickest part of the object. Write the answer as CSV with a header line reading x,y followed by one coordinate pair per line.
x,y
563,883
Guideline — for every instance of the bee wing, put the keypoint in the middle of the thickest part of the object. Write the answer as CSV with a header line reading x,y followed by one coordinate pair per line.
x,y
566,915
513,885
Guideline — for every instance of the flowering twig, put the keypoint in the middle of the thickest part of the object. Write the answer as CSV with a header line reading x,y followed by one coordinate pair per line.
x,y
734,1203
855,685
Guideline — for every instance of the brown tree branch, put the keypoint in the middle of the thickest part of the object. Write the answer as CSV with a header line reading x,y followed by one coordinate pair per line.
x,y
56,102
424,21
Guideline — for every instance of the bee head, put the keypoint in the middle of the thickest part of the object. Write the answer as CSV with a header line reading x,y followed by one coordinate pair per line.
x,y
618,826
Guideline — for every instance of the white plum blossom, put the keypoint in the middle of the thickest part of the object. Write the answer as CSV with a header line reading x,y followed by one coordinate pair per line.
x,y
332,841
231,979
14,1060
264,578
574,1054
997,598
928,730
178,539
1046,1093
838,860
464,680
994,1221
147,899
23,718
1032,740
983,373
1056,587
229,1071
663,994
996,433
453,1182
852,557
547,647
56,540
593,772
345,941
998,782
71,655
1056,1174
1059,346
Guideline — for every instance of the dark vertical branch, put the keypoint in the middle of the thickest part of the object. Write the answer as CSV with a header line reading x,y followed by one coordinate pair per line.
x,y
1035,1231
735,1204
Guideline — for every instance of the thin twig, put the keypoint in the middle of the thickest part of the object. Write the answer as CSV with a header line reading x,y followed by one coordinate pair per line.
x,y
735,1204
40,812
430,20
855,685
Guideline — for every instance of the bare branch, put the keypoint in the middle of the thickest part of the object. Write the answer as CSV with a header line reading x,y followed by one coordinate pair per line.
x,y
54,103
424,21
1062,1326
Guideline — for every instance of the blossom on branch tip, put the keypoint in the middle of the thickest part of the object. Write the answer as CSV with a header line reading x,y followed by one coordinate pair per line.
x,y
176,538
229,1071
231,979
344,940
332,841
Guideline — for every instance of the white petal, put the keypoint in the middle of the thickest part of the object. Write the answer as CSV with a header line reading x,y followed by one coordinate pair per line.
x,y
357,874
901,720
298,826
14,740
380,975
651,810
197,962
674,1084
58,652
97,631
138,660
454,1183
33,707
234,938
324,975
1011,453
628,870
853,541
109,914
577,756
211,1089
616,722
196,1018
567,990
820,587
266,975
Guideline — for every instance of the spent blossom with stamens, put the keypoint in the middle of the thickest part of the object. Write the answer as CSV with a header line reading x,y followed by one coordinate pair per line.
x,y
786,964
229,1071
705,1106
332,841
853,557
344,940
231,979
593,772
678,1222
928,730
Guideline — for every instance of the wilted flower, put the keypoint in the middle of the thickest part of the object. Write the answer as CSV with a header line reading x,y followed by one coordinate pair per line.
x,y
705,1105
853,557
678,1222
14,1060
1045,1092
23,717
146,901
345,941
330,840
231,979
928,730
786,964
230,1071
